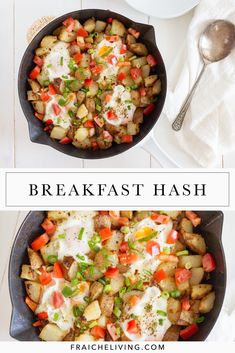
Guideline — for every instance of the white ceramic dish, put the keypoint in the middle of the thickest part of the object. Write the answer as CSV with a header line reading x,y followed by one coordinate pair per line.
x,y
163,8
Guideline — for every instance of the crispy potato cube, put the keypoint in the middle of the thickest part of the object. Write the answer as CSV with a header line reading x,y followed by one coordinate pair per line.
x,y
92,311
207,303
89,25
34,259
172,333
195,242
28,273
57,215
48,41
52,332
139,49
81,134
173,310
96,290
118,28
149,81
39,107
190,261
197,275
67,37
82,111
58,133
34,290
85,337
106,304
100,26
200,290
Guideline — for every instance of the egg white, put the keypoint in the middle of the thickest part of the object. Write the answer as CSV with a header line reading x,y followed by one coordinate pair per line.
x,y
52,63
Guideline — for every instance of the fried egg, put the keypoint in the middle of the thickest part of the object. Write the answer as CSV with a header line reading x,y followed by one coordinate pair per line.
x,y
151,315
56,62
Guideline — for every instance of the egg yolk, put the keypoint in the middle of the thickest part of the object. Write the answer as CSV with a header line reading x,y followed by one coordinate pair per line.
x,y
105,50
143,232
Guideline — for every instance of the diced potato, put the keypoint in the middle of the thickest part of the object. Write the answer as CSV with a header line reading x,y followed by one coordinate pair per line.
x,y
149,81
77,25
90,104
128,81
58,133
115,241
89,25
93,89
197,275
168,267
92,311
173,310
52,332
34,259
138,116
35,86
184,286
32,96
107,304
100,26
195,242
48,41
81,134
81,97
145,69
135,97
82,111
85,337
118,28
127,214
190,261
102,221
157,87
96,290
138,62
66,36
186,226
167,284
72,272
39,107
116,283
102,321
172,333
207,303
34,290
139,49
93,275
200,290
85,60
43,78
130,39
132,128
28,273
57,31
174,214
179,246
42,51
70,267
141,215
187,317
57,215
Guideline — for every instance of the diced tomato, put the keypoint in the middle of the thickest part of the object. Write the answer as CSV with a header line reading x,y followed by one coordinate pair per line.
x,y
45,96
108,98
98,121
128,258
134,299
56,108
65,141
48,226
113,38
135,73
151,60
123,49
98,332
107,136
149,109
94,146
105,233
103,212
159,275
160,218
57,299
112,59
92,63
167,258
77,57
208,263
58,270
185,304
52,89
82,32
88,45
152,248
45,278
69,23
115,215
182,275
124,247
111,272
127,139
40,241
111,115
121,76
49,122
39,116
189,331
38,61
142,91
193,217
172,237
112,330
132,326
123,221
97,69
34,73
32,305
109,20
133,31
88,82
124,63
88,124
37,323
43,315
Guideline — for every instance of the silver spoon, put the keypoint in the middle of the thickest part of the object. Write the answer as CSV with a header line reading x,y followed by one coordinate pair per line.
x,y
215,44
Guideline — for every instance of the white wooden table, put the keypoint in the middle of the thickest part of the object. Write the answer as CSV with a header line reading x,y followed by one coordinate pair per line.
x,y
17,16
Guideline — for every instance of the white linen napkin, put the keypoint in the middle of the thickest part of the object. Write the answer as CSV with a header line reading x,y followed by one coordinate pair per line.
x,y
209,126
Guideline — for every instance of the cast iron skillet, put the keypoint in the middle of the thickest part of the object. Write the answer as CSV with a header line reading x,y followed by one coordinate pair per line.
x,y
21,321
36,132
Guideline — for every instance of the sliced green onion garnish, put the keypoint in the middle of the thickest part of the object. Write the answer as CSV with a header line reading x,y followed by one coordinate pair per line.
x,y
98,108
165,295
132,57
56,317
52,259
160,321
125,230
78,311
200,319
102,281
161,313
62,236
175,293
61,61
107,288
167,251
117,312
67,292
74,282
81,233
182,253
93,324
86,299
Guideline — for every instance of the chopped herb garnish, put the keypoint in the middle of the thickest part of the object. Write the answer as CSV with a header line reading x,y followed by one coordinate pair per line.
x,y
161,313
81,233
148,307
62,102
182,253
200,319
52,259
62,236
74,282
93,324
78,310
80,257
175,293
131,245
72,114
72,65
165,295
117,301
122,291
56,317
132,87
98,108
133,316
67,292
117,312
102,281
107,288
160,321
61,61
125,230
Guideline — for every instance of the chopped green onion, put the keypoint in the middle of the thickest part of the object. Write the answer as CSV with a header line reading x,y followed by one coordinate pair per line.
x,y
132,87
127,282
133,316
98,108
86,299
90,51
74,282
56,317
102,281
131,244
67,292
80,257
46,83
117,301
61,61
121,59
49,65
52,259
167,251
117,312
125,230
122,291
81,233
148,237
62,236
62,102
182,253
161,313
165,295
107,288
160,321
188,265
200,319
175,293
132,57
72,65
93,324
77,311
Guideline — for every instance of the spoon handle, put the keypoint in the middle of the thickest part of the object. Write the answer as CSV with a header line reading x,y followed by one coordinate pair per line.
x,y
178,122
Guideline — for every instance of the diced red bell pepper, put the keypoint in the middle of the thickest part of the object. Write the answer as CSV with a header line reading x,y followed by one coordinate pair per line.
x,y
82,32
123,221
128,258
182,275
168,258
37,323
113,38
52,89
193,217
112,330
132,327
208,263
111,115
49,122
159,275
127,139
185,304
189,331
98,332
133,31
65,140
57,299
105,233
111,272
39,116
149,109
104,213
34,73
121,76
123,49
124,247
69,23
38,61
172,237
160,218
109,20
45,96
97,69
58,270
152,248
142,91
88,124
112,59
151,60
135,73
77,57
40,241
32,305
94,145
56,109
43,315
48,226
45,278
88,82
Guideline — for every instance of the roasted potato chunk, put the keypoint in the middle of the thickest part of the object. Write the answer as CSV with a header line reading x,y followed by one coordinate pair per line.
x,y
106,304
48,41
89,25
34,259
92,311
118,28
28,273
195,242
34,290
172,333
139,49
52,332
96,290
200,290
207,303
173,310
